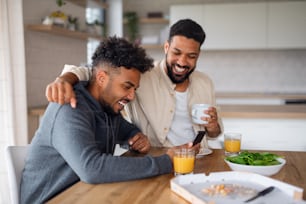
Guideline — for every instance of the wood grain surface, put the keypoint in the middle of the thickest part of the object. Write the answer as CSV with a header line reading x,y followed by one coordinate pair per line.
x,y
157,189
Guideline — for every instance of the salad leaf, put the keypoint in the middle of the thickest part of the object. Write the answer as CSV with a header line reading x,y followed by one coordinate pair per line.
x,y
254,158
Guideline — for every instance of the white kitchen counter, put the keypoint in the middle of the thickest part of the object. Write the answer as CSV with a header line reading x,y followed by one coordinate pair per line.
x,y
265,122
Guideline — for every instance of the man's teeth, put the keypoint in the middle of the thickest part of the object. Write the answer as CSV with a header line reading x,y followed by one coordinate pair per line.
x,y
121,103
178,69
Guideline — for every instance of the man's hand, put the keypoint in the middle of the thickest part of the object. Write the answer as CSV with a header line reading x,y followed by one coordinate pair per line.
x,y
61,90
212,127
140,143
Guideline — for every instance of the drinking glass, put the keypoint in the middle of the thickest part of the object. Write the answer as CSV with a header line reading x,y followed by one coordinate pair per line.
x,y
232,143
183,161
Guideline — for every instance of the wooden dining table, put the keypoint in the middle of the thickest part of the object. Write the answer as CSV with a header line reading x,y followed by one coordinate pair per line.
x,y
157,189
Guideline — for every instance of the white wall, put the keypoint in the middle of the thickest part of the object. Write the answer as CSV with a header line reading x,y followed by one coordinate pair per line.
x,y
45,53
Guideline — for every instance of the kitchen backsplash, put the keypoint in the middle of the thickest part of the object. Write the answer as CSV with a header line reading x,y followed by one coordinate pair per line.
x,y
254,71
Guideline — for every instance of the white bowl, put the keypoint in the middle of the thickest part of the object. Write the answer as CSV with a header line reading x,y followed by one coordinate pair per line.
x,y
263,170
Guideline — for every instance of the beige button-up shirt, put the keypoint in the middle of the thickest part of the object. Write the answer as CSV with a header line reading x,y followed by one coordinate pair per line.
x,y
153,108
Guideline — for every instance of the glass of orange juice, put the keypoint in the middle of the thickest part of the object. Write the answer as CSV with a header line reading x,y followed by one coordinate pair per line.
x,y
232,143
183,161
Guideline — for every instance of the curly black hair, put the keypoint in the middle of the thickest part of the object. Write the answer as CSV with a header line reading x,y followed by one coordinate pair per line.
x,y
118,52
189,29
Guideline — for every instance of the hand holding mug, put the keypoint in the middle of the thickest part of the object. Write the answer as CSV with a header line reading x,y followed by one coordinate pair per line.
x,y
206,115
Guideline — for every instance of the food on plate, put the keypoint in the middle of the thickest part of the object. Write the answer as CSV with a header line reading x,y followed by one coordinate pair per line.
x,y
232,190
255,158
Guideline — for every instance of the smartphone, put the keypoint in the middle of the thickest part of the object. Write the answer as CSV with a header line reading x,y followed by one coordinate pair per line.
x,y
199,137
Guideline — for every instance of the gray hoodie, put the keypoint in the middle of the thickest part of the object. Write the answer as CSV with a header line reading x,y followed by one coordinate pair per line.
x,y
77,144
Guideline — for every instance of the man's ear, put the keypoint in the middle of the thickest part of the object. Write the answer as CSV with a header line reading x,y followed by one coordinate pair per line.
x,y
100,77
166,46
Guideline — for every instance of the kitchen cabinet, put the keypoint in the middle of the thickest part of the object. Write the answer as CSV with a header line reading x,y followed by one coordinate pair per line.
x,y
286,24
240,26
227,26
259,25
194,12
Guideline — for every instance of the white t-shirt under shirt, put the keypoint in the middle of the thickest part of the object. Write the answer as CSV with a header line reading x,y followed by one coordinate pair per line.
x,y
181,131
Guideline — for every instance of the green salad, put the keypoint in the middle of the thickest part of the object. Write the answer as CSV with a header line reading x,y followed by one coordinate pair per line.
x,y
254,159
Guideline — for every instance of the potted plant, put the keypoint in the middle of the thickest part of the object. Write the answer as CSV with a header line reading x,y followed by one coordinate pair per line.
x,y
73,23
60,2
58,17
131,19
96,28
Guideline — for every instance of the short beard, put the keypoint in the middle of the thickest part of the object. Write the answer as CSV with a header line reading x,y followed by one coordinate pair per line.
x,y
107,108
172,76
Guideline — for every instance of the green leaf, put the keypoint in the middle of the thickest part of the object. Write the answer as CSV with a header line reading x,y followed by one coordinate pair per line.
x,y
254,159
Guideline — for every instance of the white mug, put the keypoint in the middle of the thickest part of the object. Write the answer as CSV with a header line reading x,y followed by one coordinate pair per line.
x,y
198,111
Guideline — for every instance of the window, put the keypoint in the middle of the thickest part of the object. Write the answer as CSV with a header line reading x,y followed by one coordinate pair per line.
x,y
95,17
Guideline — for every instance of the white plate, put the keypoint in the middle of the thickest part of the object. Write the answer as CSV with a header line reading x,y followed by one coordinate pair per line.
x,y
204,151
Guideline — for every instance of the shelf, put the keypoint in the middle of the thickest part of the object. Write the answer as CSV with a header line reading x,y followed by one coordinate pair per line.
x,y
62,32
83,3
154,20
151,21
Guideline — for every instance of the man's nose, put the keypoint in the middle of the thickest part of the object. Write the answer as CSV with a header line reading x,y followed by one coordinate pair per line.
x,y
131,94
182,61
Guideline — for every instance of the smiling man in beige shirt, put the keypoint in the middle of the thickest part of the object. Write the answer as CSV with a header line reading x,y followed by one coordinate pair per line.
x,y
162,108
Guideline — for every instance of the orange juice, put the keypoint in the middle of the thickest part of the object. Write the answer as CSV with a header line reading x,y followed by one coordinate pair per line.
x,y
232,145
183,164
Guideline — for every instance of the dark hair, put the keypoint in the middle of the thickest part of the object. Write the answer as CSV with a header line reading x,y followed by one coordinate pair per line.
x,y
119,52
189,29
